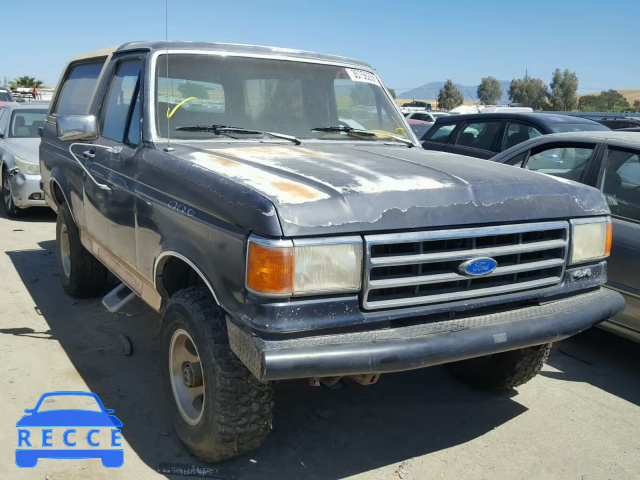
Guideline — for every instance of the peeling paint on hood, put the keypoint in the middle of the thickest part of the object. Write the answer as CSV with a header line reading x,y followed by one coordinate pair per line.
x,y
324,188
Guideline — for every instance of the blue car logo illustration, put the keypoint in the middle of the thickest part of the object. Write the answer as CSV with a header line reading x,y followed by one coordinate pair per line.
x,y
86,431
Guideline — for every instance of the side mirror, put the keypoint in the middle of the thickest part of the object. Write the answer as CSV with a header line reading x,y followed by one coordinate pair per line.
x,y
77,128
28,410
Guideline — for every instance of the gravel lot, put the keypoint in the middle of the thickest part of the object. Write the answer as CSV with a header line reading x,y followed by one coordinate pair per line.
x,y
579,419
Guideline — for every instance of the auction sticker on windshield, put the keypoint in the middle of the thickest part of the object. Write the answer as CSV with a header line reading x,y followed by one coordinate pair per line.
x,y
72,425
362,76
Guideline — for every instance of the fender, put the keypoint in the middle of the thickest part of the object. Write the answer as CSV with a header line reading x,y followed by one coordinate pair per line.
x,y
168,254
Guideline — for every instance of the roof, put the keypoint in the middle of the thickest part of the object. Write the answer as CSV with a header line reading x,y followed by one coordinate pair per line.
x,y
596,136
249,50
27,105
548,118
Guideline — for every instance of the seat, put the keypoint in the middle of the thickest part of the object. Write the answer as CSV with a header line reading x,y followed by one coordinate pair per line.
x,y
19,127
466,139
516,138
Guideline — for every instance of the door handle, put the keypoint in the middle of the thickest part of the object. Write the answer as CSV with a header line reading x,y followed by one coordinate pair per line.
x,y
88,154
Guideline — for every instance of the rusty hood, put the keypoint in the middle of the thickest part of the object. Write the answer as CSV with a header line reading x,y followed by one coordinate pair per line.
x,y
332,188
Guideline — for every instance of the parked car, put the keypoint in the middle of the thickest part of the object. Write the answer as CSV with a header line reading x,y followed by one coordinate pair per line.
x,y
5,96
609,161
482,135
424,116
632,129
19,163
279,242
417,104
419,127
616,123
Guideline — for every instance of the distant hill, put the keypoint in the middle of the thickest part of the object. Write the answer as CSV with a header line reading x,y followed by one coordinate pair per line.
x,y
430,90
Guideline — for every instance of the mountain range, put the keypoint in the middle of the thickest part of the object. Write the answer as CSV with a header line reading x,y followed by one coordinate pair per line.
x,y
429,91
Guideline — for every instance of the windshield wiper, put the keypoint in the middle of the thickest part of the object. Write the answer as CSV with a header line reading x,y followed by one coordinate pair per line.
x,y
360,133
225,130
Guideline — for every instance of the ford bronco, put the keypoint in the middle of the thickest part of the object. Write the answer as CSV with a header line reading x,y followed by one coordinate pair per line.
x,y
274,206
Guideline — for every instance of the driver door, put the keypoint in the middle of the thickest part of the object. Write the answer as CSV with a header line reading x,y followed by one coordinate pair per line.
x,y
110,213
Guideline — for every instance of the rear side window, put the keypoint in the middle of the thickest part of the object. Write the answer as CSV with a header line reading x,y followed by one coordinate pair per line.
x,y
561,161
517,132
77,89
441,134
480,135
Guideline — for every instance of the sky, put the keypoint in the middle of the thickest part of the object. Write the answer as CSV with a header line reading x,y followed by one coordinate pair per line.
x,y
410,43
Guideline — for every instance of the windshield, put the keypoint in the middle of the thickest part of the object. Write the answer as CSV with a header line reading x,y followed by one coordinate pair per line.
x,y
25,123
69,402
577,127
5,97
287,97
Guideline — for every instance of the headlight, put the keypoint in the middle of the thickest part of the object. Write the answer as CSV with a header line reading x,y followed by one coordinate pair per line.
x,y
303,267
591,239
28,168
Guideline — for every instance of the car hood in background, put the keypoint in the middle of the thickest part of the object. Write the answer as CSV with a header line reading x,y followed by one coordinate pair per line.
x,y
25,148
330,188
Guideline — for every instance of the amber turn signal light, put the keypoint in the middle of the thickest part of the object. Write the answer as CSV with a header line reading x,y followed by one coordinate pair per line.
x,y
270,269
607,245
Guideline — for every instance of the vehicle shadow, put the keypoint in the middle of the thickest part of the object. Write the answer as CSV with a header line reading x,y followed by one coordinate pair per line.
x,y
318,433
31,215
601,359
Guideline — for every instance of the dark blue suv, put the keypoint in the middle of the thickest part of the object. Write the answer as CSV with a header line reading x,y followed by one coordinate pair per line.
x,y
484,135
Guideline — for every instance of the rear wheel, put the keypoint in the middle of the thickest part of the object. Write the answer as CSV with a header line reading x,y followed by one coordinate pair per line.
x,y
501,372
81,274
218,408
7,197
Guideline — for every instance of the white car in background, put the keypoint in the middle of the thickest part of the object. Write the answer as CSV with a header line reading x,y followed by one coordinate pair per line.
x,y
424,115
19,158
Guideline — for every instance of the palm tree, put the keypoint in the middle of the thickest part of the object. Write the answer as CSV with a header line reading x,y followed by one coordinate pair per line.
x,y
25,82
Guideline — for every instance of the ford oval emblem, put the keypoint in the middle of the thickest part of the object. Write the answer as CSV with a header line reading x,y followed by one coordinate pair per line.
x,y
477,267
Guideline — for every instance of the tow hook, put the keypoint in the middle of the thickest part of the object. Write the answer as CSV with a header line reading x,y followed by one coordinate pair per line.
x,y
334,383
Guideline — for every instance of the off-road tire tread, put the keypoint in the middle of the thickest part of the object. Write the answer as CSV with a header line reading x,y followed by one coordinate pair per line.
x,y
244,407
502,372
88,276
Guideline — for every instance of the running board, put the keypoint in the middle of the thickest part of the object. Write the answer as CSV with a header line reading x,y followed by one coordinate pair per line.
x,y
118,298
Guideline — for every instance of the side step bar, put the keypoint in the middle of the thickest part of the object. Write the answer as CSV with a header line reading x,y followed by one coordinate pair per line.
x,y
118,298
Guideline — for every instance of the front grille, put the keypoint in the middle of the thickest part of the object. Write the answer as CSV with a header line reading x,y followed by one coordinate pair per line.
x,y
406,269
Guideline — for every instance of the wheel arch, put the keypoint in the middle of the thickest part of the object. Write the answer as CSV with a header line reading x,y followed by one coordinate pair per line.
x,y
183,268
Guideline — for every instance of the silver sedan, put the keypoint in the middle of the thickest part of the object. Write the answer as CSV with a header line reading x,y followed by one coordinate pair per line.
x,y
19,143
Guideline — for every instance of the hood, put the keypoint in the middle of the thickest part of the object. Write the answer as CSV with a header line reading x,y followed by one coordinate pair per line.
x,y
334,188
25,148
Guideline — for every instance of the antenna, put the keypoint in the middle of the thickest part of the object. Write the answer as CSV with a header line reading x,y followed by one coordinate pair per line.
x,y
168,148
471,97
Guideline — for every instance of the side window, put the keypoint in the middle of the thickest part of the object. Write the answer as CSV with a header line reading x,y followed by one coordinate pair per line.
x,y
620,182
519,159
2,120
120,100
561,161
442,134
516,133
77,89
480,135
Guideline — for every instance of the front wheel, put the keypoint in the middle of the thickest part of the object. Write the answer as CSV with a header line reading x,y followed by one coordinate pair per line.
x,y
501,372
10,207
218,408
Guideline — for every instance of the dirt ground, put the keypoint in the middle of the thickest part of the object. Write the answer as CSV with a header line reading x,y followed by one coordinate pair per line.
x,y
579,419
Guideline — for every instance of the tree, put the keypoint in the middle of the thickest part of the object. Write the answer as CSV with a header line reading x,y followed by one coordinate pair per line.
x,y
489,91
636,105
528,91
449,96
193,89
564,86
392,92
605,101
25,81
